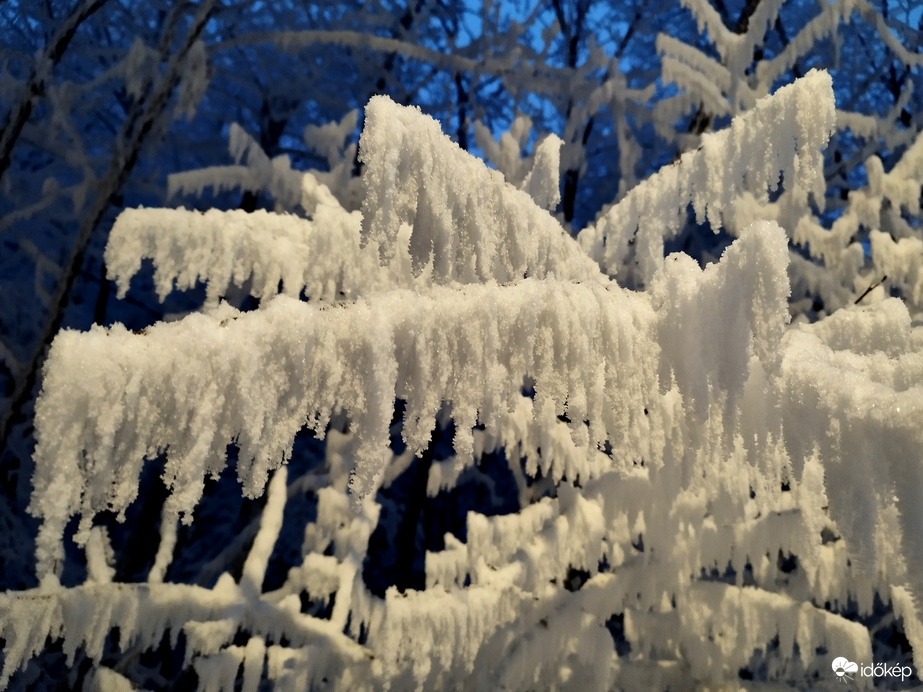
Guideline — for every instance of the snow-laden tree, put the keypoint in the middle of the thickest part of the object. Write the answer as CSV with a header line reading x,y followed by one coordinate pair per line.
x,y
704,487
421,434
100,100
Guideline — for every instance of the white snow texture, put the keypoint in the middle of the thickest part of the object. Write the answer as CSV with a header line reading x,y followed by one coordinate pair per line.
x,y
676,413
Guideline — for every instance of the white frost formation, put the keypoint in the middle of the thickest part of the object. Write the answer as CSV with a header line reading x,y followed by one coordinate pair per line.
x,y
467,222
318,257
790,129
688,438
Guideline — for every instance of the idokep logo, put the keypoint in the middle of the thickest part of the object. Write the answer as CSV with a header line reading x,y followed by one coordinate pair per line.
x,y
846,670
842,667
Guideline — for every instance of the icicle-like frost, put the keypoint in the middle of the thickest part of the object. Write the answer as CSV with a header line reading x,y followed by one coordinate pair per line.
x,y
907,608
139,67
857,375
467,222
608,367
437,636
734,49
543,181
546,539
218,672
255,172
320,257
901,261
896,246
194,81
725,624
713,319
687,66
192,387
788,129
537,435
569,625
506,154
84,616
329,139
823,25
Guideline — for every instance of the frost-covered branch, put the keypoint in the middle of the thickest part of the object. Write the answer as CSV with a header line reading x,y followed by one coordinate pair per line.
x,y
646,489
895,246
404,338
789,129
84,616
295,40
254,172
467,222
320,258
472,346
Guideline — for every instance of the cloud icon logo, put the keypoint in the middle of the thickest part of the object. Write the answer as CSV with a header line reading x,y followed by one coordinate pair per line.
x,y
841,666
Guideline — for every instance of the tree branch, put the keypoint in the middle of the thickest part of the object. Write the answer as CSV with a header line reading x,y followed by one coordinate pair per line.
x,y
17,117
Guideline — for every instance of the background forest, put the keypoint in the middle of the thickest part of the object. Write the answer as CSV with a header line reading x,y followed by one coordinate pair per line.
x,y
713,474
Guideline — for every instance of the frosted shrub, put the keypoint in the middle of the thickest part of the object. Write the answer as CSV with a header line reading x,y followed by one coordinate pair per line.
x,y
703,487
